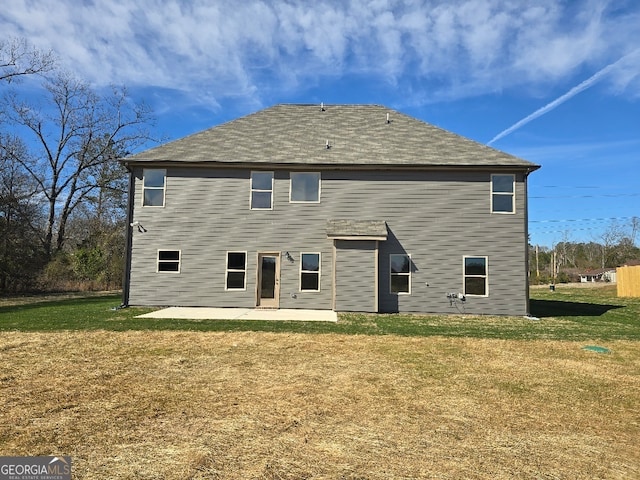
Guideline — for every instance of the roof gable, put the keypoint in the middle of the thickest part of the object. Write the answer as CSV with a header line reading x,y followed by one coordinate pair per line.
x,y
332,135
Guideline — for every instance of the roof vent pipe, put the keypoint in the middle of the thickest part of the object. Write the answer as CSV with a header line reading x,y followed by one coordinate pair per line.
x,y
388,121
322,106
328,145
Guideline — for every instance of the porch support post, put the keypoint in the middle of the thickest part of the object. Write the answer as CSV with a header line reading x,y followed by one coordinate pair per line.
x,y
333,275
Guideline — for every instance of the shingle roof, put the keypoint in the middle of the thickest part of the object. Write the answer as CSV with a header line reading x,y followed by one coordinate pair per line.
x,y
598,271
358,135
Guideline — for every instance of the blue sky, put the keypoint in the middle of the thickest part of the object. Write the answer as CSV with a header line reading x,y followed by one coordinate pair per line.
x,y
554,82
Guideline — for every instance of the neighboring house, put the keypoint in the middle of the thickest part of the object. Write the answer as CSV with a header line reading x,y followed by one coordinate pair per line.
x,y
343,207
600,275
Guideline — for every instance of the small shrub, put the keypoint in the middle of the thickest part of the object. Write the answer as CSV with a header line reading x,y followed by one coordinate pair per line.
x,y
56,273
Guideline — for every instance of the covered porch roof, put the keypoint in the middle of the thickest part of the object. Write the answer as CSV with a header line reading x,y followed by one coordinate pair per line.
x,y
357,229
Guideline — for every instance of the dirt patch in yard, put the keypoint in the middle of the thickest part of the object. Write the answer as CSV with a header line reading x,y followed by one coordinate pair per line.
x,y
182,405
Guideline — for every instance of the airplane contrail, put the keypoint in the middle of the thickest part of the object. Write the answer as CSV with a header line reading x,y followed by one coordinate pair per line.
x,y
571,93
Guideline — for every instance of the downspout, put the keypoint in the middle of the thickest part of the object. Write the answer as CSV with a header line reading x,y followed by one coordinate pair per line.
x,y
126,276
526,240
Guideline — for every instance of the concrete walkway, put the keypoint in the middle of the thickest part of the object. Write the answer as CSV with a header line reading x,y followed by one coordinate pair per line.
x,y
206,313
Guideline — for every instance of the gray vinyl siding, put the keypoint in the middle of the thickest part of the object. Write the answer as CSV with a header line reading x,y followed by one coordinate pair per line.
x,y
355,276
207,214
437,217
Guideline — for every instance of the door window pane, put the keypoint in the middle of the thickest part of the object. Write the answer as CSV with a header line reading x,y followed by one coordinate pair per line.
x,y
268,280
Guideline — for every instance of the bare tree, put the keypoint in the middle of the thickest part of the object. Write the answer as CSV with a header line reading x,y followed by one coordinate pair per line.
x,y
21,256
18,58
566,251
610,238
635,227
75,134
592,252
618,243
625,250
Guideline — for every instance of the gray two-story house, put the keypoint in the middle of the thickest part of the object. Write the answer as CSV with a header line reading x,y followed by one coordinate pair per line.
x,y
340,207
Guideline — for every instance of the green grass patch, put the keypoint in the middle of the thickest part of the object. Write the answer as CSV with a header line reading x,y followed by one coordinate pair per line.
x,y
569,313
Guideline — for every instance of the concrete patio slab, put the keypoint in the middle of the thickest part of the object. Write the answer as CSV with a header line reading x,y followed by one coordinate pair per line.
x,y
206,313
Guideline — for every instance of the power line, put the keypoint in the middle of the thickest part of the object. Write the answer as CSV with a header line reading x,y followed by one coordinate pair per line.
x,y
581,220
581,186
607,195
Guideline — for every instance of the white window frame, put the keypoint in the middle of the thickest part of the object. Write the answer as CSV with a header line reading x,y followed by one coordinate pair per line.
x,y
251,189
512,193
227,270
158,261
301,271
163,188
485,276
392,274
292,174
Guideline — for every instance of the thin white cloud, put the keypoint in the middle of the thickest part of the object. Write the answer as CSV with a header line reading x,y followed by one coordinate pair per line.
x,y
232,49
611,152
592,80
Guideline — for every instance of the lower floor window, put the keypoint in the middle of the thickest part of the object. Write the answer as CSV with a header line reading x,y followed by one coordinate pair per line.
x,y
310,272
169,261
475,276
400,265
236,270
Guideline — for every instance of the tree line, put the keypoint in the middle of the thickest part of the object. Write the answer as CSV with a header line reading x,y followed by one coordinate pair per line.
x,y
566,260
62,190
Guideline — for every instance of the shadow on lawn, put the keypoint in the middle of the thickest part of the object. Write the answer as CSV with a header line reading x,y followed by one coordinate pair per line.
x,y
556,308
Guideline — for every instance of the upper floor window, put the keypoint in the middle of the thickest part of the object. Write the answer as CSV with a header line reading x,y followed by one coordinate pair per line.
x,y
236,270
261,191
503,193
153,187
305,187
400,278
476,276
310,272
169,261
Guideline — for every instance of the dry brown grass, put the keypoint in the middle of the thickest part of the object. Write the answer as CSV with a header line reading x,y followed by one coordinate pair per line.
x,y
181,405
